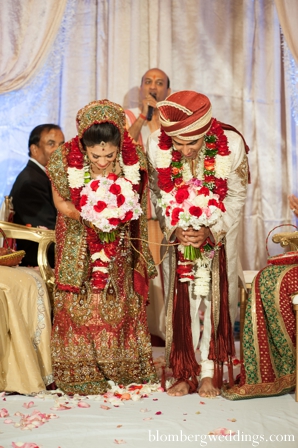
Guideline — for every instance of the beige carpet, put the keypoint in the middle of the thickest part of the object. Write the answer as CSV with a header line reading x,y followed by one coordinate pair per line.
x,y
155,420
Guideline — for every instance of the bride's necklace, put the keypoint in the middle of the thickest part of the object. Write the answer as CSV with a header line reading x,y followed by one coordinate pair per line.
x,y
91,174
103,172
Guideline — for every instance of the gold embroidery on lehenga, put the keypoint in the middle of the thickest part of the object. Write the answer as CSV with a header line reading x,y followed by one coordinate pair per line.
x,y
58,169
110,306
114,315
80,307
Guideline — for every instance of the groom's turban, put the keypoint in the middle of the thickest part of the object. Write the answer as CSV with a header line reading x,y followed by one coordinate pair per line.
x,y
185,114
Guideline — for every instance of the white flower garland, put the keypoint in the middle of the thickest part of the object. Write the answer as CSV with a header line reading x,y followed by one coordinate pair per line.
x,y
75,177
131,172
202,273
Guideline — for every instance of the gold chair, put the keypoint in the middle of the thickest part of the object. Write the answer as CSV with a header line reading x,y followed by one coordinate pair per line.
x,y
287,239
44,238
7,211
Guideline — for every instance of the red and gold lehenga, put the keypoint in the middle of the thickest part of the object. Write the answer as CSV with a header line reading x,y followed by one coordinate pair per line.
x,y
99,335
269,339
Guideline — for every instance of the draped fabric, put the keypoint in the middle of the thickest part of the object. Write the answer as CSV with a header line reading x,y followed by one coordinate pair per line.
x,y
25,331
269,338
288,18
23,45
231,51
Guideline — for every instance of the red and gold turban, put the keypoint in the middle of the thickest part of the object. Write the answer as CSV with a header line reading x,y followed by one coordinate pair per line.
x,y
185,114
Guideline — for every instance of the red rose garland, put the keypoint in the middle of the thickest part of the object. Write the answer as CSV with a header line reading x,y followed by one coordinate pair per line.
x,y
100,272
129,153
75,159
216,143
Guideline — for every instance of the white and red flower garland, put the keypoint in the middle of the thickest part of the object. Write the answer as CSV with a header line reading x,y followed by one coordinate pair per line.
x,y
174,175
101,251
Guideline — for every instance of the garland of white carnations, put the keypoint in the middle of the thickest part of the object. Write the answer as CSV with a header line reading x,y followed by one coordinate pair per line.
x,y
213,169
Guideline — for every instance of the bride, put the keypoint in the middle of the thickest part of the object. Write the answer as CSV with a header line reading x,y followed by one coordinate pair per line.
x,y
100,329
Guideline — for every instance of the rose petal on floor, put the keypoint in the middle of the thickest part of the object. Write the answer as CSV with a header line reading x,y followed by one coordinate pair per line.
x,y
82,404
28,405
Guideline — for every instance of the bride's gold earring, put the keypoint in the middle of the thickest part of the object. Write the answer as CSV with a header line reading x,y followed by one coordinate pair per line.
x,y
115,162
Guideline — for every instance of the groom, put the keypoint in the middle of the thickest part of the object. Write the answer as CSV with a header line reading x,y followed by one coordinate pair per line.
x,y
188,127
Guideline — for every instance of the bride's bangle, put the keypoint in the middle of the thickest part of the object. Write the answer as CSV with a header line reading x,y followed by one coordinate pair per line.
x,y
86,223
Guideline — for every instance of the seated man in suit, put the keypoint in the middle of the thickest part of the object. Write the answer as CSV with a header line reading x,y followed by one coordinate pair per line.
x,y
31,192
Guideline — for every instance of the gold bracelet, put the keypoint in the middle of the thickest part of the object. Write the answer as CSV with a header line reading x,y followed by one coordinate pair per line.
x,y
86,223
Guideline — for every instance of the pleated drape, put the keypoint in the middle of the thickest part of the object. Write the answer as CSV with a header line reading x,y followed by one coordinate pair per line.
x,y
231,51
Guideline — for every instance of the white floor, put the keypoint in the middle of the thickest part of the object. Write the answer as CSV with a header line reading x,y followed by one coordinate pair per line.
x,y
153,421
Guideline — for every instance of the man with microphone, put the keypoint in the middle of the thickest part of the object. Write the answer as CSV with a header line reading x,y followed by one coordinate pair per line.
x,y
141,122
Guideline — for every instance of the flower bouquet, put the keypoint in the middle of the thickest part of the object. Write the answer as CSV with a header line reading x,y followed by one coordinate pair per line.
x,y
191,205
107,202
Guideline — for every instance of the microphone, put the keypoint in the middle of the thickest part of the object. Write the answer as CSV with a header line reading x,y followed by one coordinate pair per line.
x,y
150,109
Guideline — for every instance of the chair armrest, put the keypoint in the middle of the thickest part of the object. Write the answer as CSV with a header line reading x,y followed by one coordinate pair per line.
x,y
287,239
44,238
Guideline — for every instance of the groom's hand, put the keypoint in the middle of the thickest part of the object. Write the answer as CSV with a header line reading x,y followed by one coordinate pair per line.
x,y
192,237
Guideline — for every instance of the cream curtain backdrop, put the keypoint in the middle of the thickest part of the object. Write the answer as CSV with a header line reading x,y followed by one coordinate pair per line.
x,y
288,15
231,51
25,46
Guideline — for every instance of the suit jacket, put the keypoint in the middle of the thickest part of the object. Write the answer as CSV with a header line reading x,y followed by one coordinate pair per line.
x,y
33,204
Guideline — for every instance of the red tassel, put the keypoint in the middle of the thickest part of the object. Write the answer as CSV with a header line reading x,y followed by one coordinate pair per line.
x,y
220,375
230,370
163,378
222,348
182,357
